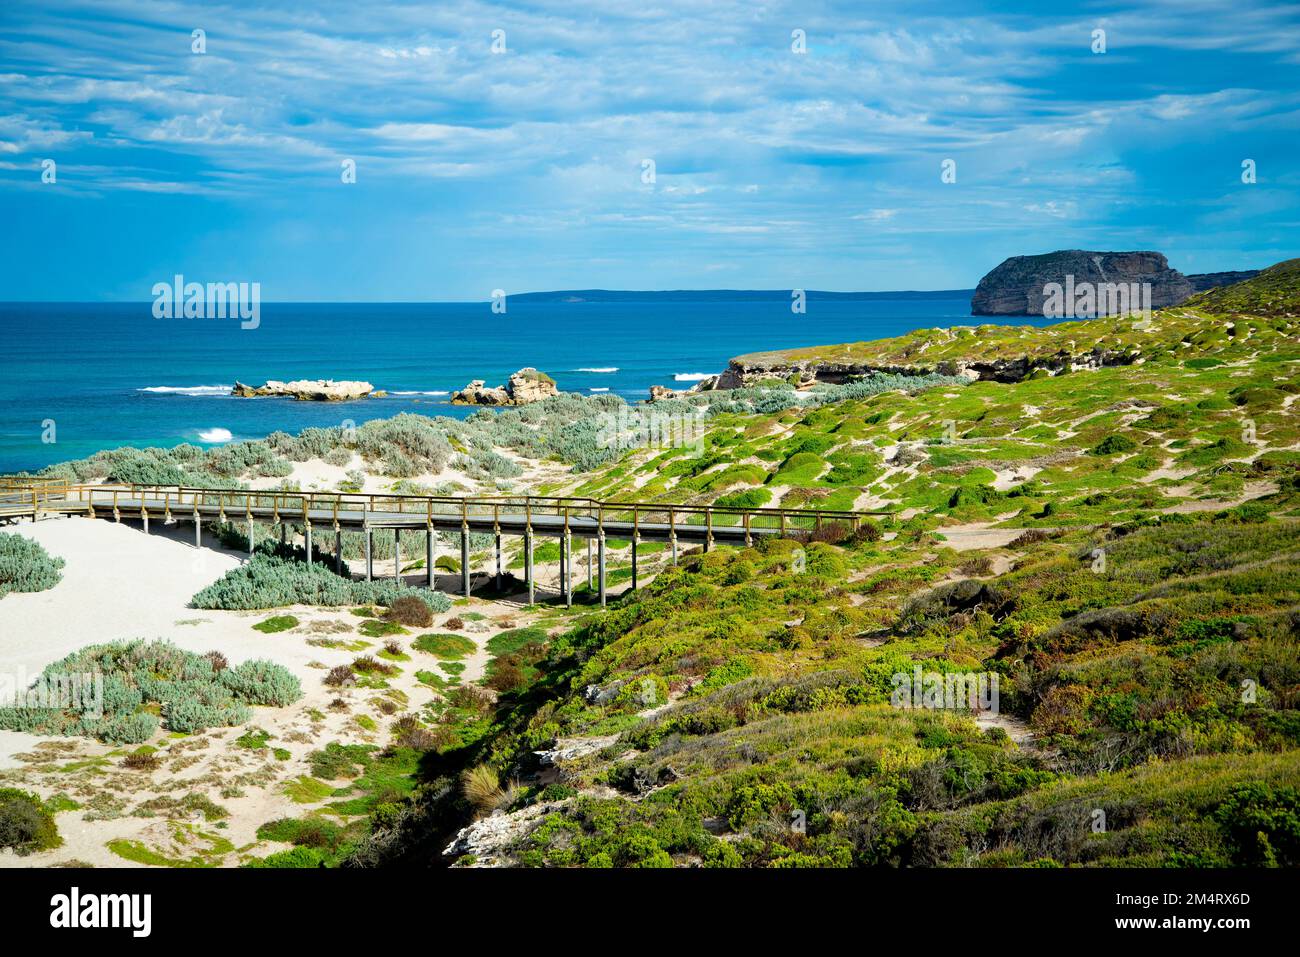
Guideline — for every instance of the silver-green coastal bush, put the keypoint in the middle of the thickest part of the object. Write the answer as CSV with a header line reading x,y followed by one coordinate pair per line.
x,y
268,580
26,566
144,684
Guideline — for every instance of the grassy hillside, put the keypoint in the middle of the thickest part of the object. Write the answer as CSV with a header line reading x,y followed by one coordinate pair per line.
x,y
1274,292
1207,418
1138,607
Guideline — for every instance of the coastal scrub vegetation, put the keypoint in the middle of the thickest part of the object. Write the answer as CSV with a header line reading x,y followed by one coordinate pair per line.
x,y
569,427
141,686
1138,609
26,566
26,825
276,577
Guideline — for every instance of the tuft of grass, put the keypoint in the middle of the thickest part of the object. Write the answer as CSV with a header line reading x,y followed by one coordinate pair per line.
x,y
481,787
375,628
276,623
445,646
305,789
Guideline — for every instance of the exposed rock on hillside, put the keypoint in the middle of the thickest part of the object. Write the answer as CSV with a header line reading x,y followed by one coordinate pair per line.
x,y
317,390
488,839
747,371
525,387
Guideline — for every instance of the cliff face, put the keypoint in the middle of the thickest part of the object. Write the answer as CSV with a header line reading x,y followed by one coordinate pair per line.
x,y
1016,287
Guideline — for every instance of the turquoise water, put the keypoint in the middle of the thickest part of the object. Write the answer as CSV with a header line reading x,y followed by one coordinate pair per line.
x,y
110,374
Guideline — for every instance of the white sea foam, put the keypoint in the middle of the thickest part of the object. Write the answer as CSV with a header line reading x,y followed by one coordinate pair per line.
x,y
215,435
188,389
417,392
601,369
597,388
692,376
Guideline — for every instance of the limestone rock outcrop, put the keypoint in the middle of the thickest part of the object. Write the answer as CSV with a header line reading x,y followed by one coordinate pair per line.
x,y
523,388
659,393
747,371
315,390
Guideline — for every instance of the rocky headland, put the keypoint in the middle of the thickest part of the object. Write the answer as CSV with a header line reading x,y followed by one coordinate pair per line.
x,y
1016,287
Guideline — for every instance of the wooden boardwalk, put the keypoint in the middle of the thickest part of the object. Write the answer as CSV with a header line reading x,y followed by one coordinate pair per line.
x,y
526,516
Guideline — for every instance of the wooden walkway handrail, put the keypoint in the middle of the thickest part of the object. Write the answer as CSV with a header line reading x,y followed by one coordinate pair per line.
x,y
300,506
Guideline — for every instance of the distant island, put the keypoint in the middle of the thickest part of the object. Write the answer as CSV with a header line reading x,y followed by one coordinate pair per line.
x,y
728,295
1016,287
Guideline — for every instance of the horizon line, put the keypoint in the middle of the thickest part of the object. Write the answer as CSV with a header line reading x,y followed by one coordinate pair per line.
x,y
519,295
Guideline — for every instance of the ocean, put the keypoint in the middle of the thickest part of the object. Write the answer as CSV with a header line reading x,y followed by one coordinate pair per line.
x,y
93,376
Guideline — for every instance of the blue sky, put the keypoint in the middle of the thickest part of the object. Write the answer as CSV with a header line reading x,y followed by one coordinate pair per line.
x,y
523,170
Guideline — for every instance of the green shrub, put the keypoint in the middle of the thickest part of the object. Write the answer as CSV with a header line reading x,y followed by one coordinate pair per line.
x,y
302,832
26,826
127,728
263,682
749,498
1263,824
1114,445
444,646
298,857
142,680
25,566
269,580
275,624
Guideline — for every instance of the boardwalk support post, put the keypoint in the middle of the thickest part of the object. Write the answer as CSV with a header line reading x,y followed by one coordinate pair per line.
x,y
636,539
144,516
464,559
338,550
600,548
198,530
499,573
306,538
496,530
428,558
370,552
529,576
566,570
250,538
397,555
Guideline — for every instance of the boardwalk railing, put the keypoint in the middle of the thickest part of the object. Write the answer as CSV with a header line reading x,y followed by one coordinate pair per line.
x,y
382,508
560,517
